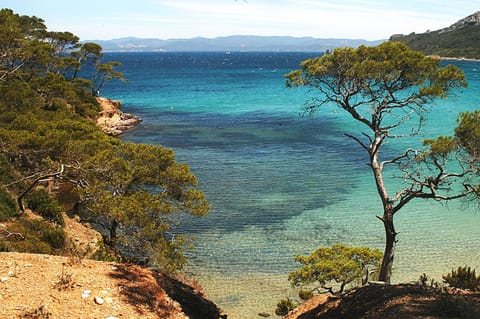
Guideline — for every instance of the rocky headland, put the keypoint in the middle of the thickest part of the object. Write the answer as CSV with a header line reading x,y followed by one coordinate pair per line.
x,y
112,121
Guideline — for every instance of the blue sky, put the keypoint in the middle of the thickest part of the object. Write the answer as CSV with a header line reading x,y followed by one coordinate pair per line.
x,y
167,19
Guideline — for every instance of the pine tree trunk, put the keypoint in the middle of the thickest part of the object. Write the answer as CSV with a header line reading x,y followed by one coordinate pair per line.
x,y
390,245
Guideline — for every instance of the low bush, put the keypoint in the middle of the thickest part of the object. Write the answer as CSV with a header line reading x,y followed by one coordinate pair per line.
x,y
45,206
39,236
284,306
463,278
55,237
4,246
305,294
7,206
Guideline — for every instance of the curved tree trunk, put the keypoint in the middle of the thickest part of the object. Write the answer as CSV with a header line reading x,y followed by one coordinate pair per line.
x,y
32,184
390,245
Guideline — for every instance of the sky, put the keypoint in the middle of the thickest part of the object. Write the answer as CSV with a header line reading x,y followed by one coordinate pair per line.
x,y
173,19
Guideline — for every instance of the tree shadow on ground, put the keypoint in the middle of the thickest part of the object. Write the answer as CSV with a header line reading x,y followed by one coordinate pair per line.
x,y
193,303
148,290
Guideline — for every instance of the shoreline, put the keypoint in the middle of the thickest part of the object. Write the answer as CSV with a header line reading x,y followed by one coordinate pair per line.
x,y
111,120
451,58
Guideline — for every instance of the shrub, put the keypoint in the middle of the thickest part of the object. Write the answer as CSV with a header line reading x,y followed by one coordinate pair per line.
x,y
284,306
463,278
46,206
305,294
5,246
55,237
426,281
39,237
7,206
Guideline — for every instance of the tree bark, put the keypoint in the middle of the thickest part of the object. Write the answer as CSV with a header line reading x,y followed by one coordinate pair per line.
x,y
390,245
388,210
29,188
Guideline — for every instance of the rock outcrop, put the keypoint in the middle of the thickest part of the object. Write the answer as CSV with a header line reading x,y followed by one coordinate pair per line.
x,y
112,121
471,20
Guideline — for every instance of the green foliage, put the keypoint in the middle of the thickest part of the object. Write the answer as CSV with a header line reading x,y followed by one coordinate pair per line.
x,y
463,278
340,265
5,246
388,89
467,133
389,76
39,237
7,206
55,237
305,294
46,206
460,42
47,114
284,306
442,146
105,253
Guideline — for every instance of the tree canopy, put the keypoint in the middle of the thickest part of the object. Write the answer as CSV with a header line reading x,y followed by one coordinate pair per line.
x,y
339,265
47,133
389,89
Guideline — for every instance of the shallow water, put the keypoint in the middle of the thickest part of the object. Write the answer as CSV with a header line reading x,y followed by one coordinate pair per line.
x,y
280,184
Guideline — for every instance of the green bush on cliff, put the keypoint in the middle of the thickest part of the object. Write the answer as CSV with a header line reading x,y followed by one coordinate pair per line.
x,y
34,236
7,206
46,206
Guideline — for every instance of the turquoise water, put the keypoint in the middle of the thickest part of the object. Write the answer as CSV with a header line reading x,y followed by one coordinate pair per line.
x,y
280,184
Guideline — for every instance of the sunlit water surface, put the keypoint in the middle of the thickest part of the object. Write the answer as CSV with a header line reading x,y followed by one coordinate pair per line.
x,y
280,184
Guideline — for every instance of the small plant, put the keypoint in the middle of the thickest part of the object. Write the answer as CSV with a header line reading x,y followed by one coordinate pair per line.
x,y
7,206
40,312
65,280
74,253
284,306
426,281
463,278
305,294
5,246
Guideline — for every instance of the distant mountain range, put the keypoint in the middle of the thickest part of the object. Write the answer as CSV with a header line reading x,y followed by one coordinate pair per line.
x,y
232,43
460,40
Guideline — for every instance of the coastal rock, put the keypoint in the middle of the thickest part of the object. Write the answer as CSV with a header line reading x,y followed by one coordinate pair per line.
x,y
112,121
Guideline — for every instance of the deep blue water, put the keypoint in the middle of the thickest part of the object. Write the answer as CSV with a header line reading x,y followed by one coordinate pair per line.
x,y
280,183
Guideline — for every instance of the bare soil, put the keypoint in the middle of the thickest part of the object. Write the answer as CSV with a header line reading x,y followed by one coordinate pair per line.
x,y
44,286
393,302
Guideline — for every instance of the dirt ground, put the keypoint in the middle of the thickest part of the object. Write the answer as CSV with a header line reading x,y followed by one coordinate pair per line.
x,y
45,286
393,302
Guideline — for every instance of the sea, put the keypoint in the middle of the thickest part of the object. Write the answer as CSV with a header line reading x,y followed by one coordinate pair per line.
x,y
282,183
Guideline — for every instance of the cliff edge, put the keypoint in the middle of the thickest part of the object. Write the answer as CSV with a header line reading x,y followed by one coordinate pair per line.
x,y
46,286
112,121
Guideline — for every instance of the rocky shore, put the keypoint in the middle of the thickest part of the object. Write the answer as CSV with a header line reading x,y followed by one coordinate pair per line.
x,y
112,121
